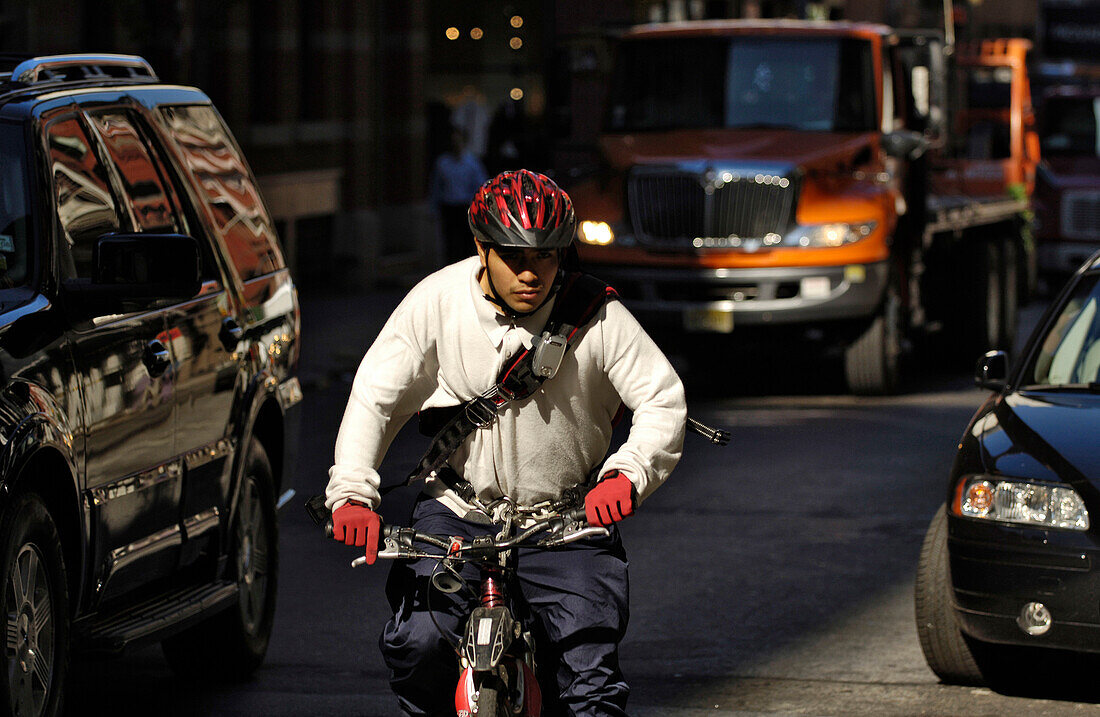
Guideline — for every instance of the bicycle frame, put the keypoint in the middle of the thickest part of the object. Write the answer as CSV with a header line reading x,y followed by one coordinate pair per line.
x,y
497,654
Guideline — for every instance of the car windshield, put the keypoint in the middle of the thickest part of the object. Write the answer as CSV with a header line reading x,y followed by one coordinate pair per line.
x,y
1072,126
810,84
14,211
1069,355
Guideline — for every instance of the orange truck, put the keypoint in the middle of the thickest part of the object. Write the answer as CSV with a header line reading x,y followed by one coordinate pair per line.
x,y
834,182
1066,81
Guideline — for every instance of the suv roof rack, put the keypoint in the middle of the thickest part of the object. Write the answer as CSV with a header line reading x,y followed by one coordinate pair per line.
x,y
57,69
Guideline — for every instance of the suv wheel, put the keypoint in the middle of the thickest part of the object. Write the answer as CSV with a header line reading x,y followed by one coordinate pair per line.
x,y
34,599
232,644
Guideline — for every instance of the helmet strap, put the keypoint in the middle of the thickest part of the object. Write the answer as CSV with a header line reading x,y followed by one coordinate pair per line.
x,y
500,303
495,298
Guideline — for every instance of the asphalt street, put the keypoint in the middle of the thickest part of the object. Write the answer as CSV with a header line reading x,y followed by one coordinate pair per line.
x,y
773,576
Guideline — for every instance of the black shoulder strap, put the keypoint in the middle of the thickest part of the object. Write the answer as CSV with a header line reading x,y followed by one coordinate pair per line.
x,y
579,299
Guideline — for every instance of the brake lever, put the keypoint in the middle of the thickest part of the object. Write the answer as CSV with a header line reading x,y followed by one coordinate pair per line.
x,y
572,531
397,544
390,551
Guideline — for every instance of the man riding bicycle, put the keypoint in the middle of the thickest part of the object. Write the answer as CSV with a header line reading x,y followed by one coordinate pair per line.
x,y
453,341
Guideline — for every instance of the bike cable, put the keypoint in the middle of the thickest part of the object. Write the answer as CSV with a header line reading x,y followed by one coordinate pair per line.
x,y
431,613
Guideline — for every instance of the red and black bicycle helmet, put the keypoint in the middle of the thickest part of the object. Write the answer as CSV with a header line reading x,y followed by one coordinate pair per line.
x,y
522,209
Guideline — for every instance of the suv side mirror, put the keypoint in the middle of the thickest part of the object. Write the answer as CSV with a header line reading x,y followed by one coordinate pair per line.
x,y
904,143
134,271
992,371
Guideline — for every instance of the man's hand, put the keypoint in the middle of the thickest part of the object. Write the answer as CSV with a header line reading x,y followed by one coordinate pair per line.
x,y
354,523
611,500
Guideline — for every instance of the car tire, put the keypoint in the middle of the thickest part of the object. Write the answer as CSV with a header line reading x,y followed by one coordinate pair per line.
x,y
34,600
947,650
231,645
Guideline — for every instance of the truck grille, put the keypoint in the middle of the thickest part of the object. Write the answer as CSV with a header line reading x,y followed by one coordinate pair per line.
x,y
1081,215
684,209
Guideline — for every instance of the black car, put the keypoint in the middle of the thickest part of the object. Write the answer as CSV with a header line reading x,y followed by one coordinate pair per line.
x,y
1012,560
148,349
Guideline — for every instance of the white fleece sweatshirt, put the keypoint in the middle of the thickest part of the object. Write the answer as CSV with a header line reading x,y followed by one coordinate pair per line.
x,y
446,343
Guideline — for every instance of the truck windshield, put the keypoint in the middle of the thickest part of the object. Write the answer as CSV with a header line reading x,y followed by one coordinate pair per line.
x,y
810,84
14,212
1072,126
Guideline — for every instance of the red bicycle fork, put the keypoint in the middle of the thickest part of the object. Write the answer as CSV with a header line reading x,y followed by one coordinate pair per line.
x,y
491,630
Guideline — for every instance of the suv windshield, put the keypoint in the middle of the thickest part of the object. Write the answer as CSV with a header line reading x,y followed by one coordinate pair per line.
x,y
1070,353
1072,126
14,212
812,84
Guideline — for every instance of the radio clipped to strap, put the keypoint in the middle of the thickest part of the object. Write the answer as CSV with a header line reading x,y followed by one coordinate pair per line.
x,y
578,301
548,352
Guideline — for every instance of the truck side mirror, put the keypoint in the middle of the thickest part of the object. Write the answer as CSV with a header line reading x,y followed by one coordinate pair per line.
x,y
905,144
992,371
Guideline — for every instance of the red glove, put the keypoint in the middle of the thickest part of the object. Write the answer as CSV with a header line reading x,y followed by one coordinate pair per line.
x,y
354,523
611,500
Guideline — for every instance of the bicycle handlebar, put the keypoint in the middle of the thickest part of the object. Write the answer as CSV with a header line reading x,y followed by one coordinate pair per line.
x,y
564,528
574,515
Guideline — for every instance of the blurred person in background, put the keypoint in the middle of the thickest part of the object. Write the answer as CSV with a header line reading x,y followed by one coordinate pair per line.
x,y
455,177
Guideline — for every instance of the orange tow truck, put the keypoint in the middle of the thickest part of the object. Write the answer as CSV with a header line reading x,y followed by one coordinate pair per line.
x,y
831,181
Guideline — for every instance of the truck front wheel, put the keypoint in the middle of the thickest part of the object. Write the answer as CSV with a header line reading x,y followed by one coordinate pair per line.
x,y
1010,286
979,322
872,361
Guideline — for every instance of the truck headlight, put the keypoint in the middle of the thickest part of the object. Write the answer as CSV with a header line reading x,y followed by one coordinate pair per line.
x,y
828,235
596,233
1015,501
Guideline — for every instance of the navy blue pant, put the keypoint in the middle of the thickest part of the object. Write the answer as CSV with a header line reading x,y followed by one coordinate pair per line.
x,y
577,600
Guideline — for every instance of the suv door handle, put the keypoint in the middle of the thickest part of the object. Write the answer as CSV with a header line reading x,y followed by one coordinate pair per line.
x,y
231,333
156,358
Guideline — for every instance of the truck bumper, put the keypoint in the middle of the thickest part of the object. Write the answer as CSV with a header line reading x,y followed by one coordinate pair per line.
x,y
714,300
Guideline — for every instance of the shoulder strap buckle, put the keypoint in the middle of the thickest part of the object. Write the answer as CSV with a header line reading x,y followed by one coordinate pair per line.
x,y
481,411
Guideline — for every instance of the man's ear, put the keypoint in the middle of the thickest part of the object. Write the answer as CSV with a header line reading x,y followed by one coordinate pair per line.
x,y
480,251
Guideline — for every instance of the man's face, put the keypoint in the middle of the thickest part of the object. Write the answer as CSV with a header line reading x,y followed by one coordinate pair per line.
x,y
522,277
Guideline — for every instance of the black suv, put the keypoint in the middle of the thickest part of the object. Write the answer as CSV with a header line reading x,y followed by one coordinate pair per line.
x,y
148,346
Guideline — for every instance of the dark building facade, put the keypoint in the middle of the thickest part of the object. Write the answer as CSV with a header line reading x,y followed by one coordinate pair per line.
x,y
342,105
326,96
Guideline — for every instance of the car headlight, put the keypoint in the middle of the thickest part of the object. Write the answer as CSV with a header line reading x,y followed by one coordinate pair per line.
x,y
596,233
1014,501
828,235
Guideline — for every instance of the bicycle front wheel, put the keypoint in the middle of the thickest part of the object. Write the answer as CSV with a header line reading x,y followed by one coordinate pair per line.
x,y
492,699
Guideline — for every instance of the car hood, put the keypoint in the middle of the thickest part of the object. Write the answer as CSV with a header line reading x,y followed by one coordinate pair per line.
x,y
807,150
1044,436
